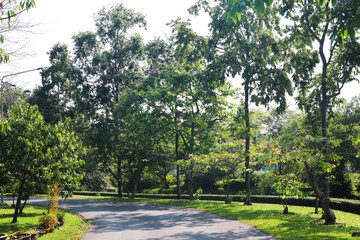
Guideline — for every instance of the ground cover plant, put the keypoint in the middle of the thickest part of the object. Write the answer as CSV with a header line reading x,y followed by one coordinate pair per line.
x,y
300,223
74,227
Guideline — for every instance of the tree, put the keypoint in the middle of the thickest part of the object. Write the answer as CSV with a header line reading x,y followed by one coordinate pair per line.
x,y
144,134
318,92
9,11
347,26
87,86
320,22
343,131
54,96
32,151
229,159
191,102
249,48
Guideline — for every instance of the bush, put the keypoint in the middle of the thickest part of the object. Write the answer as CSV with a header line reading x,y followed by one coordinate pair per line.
x,y
345,205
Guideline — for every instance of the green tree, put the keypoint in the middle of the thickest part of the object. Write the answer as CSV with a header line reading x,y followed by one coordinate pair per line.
x,y
229,160
190,101
143,134
32,151
318,93
53,97
249,49
88,85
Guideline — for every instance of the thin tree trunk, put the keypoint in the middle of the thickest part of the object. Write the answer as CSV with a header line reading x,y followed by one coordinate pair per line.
x,y
177,166
18,202
247,147
23,206
191,182
178,181
133,189
227,196
120,182
2,196
324,197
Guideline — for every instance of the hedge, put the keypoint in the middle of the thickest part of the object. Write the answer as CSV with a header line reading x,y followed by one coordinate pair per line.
x,y
345,205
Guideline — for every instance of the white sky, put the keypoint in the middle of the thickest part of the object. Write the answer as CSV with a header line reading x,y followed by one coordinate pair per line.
x,y
59,20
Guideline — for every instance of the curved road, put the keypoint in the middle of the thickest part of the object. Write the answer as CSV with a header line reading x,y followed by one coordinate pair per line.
x,y
133,220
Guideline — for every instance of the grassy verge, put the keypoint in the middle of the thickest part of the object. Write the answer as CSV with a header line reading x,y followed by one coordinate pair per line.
x,y
74,227
301,223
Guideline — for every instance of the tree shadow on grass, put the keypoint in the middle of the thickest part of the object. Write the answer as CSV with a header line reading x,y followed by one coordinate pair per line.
x,y
24,220
285,226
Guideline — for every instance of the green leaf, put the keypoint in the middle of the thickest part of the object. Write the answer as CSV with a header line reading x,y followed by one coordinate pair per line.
x,y
259,5
238,14
321,3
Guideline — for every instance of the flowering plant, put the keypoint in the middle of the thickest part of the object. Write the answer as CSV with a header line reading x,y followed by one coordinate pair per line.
x,y
48,220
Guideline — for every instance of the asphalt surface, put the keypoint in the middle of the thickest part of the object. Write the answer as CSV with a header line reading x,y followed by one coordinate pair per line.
x,y
132,220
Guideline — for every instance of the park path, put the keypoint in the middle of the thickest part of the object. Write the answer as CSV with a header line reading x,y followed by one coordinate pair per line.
x,y
134,220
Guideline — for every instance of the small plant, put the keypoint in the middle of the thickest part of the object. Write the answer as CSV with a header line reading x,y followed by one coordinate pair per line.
x,y
60,216
48,221
198,192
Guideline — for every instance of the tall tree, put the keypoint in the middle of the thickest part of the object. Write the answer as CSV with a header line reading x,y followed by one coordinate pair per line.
x,y
89,85
191,102
249,49
338,64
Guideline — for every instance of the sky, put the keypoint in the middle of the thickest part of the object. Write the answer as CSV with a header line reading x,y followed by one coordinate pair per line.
x,y
58,21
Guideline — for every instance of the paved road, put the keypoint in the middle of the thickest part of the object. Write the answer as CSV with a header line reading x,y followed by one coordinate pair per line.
x,y
132,220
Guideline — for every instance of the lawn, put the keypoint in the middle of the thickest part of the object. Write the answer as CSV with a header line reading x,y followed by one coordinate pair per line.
x,y
301,223
74,227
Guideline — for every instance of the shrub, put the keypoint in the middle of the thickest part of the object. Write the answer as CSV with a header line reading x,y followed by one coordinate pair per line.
x,y
48,221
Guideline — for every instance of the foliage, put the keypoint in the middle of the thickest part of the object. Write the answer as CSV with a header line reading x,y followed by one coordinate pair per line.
x,y
48,220
348,25
32,151
249,49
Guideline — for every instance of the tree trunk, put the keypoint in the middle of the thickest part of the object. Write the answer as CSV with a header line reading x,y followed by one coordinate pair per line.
x,y
191,182
324,197
227,194
18,201
247,146
329,214
178,182
23,206
166,184
2,196
133,189
120,182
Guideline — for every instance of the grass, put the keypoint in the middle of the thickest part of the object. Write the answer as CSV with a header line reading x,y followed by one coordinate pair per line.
x,y
74,227
301,223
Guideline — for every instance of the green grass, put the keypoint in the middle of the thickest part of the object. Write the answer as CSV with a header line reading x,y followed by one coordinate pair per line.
x,y
74,226
301,223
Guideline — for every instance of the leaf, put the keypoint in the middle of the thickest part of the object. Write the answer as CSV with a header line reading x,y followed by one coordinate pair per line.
x,y
321,3
238,14
259,5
